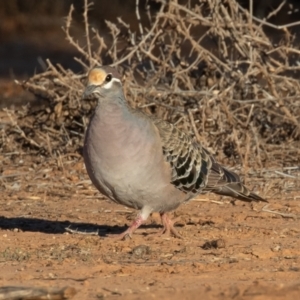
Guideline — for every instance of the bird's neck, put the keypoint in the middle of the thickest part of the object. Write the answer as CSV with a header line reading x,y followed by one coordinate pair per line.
x,y
111,113
116,130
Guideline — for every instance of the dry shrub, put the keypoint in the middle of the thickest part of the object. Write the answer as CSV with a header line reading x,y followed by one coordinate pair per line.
x,y
210,68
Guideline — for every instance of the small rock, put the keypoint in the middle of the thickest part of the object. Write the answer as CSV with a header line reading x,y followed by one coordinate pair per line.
x,y
86,283
100,296
141,250
215,244
276,248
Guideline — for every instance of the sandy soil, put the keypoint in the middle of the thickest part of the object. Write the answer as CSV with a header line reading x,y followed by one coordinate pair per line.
x,y
229,251
256,256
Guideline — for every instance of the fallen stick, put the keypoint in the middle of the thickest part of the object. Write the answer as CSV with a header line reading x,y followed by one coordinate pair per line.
x,y
284,215
34,293
76,231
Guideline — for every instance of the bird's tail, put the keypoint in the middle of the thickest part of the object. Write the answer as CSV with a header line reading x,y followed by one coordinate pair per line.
x,y
231,185
239,191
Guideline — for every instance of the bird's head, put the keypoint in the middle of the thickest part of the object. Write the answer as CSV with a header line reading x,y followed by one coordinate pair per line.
x,y
101,82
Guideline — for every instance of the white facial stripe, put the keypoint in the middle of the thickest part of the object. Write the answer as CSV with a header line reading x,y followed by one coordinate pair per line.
x,y
110,83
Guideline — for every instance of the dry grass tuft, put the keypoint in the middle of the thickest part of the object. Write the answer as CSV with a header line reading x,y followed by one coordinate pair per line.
x,y
210,68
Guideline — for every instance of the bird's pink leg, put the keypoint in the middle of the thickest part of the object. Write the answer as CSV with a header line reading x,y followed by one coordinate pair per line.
x,y
130,230
168,225
141,218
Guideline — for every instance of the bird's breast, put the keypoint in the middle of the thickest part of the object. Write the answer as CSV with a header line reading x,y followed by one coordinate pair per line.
x,y
121,153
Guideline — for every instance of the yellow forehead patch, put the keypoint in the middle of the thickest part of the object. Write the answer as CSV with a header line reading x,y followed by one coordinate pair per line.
x,y
96,76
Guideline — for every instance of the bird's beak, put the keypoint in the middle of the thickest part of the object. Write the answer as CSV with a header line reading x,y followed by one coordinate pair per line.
x,y
88,91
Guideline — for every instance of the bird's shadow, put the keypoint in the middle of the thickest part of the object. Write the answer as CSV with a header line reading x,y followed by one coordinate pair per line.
x,y
60,227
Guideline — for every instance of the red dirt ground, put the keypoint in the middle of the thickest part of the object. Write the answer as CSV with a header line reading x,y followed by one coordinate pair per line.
x,y
258,258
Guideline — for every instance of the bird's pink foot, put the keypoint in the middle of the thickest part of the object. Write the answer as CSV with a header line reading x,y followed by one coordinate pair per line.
x,y
168,226
130,230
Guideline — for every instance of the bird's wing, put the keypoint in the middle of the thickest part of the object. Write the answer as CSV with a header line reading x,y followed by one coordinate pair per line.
x,y
194,169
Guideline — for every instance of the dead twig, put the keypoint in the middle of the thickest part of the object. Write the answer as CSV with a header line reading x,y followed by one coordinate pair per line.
x,y
210,69
284,215
76,231
36,293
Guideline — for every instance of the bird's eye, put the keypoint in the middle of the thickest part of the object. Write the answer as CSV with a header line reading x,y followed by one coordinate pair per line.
x,y
108,78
